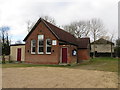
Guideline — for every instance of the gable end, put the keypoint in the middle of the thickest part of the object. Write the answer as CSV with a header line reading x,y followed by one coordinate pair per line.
x,y
36,26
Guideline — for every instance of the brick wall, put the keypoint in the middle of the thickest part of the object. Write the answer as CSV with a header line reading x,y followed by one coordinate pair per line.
x,y
70,57
41,29
54,57
83,54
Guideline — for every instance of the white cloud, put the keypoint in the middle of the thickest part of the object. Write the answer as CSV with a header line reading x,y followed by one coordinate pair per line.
x,y
15,13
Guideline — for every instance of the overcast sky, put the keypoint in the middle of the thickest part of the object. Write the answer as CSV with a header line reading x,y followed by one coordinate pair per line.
x,y
15,13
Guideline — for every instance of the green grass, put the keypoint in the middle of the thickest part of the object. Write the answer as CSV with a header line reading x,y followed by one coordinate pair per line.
x,y
11,65
101,64
105,59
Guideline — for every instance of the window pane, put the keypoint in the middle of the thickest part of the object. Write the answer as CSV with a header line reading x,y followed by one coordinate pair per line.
x,y
33,49
48,49
48,45
40,37
33,42
40,42
49,42
40,49
33,46
54,42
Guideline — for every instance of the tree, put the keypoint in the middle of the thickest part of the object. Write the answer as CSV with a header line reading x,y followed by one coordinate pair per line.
x,y
96,29
78,29
83,29
49,19
93,28
71,28
5,42
30,24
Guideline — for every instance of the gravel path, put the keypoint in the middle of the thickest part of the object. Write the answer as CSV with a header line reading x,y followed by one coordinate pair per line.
x,y
55,77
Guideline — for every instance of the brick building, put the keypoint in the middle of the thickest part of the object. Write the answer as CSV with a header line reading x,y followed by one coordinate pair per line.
x,y
48,44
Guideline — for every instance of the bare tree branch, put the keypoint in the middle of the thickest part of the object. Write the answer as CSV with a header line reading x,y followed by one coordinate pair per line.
x,y
49,19
96,29
78,29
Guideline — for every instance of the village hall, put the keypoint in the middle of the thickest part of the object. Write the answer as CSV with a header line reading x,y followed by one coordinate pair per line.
x,y
49,44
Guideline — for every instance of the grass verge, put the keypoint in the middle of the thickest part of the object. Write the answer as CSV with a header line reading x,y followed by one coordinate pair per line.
x,y
101,64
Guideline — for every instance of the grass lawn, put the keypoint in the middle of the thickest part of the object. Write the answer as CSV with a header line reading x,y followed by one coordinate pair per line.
x,y
102,64
11,65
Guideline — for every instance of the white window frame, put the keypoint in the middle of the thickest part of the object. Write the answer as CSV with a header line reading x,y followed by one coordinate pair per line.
x,y
32,47
48,45
38,46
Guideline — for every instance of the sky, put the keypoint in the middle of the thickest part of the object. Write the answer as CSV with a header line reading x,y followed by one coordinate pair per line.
x,y
15,13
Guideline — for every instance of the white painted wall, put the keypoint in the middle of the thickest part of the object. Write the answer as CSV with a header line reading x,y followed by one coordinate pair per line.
x,y
13,52
103,48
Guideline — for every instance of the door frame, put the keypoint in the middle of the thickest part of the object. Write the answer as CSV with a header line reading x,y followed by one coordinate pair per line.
x,y
17,54
61,54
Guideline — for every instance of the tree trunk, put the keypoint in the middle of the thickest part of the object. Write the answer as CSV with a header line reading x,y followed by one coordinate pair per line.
x,y
94,51
111,50
94,46
3,59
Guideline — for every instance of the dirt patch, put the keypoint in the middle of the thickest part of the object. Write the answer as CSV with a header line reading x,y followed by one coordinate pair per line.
x,y
55,77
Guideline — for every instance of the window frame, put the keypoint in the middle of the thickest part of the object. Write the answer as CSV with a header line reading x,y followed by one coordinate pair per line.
x,y
48,46
32,46
40,46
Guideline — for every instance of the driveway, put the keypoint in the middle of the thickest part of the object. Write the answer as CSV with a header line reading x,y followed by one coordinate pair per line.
x,y
56,77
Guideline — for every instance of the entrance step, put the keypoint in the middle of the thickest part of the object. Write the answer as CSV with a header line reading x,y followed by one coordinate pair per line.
x,y
63,64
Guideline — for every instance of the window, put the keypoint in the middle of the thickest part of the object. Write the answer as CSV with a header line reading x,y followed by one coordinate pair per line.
x,y
40,44
48,46
33,46
74,52
54,42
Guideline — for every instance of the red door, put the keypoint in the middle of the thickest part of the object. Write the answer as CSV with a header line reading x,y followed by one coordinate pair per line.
x,y
64,55
19,54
